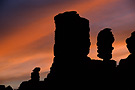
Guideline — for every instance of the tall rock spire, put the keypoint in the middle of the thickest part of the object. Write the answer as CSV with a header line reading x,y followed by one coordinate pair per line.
x,y
70,51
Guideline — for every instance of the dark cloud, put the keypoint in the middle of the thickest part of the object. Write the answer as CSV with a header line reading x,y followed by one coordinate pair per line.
x,y
13,6
18,13
132,4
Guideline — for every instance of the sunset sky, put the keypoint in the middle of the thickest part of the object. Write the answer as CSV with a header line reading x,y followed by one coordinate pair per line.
x,y
27,32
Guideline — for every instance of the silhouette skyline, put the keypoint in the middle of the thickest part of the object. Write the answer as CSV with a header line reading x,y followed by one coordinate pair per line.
x,y
71,49
27,32
72,44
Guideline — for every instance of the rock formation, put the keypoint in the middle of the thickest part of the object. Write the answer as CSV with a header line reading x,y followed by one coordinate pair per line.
x,y
70,52
105,40
34,83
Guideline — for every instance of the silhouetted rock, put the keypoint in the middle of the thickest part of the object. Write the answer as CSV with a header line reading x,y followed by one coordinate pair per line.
x,y
126,66
33,83
72,33
104,42
9,88
2,87
35,75
70,66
